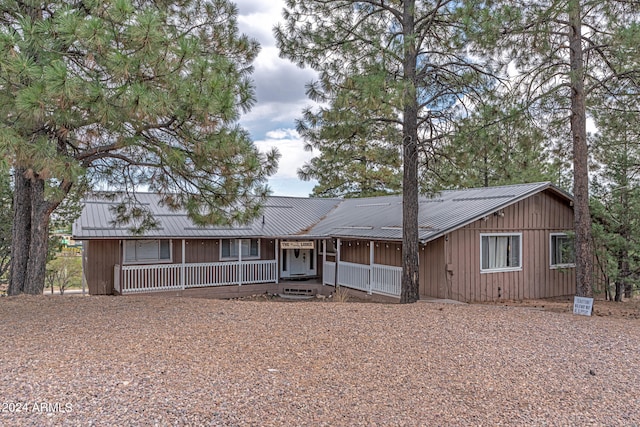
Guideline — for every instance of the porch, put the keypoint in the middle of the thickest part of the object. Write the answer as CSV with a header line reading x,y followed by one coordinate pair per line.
x,y
132,279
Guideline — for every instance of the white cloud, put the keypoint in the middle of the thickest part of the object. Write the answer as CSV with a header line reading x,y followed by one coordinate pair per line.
x,y
280,97
291,146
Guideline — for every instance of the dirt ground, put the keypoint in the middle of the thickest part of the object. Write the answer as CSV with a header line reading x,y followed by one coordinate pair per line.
x,y
628,309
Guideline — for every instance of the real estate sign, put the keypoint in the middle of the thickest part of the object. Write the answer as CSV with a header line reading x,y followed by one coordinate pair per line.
x,y
582,306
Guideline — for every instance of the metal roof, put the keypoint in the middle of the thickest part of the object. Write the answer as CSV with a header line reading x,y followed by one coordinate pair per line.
x,y
377,218
381,217
281,216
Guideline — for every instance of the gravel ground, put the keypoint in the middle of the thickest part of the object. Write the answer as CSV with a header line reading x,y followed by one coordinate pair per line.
x,y
130,361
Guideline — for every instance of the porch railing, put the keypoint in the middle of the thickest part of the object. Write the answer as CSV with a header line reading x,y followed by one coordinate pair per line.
x,y
329,273
150,278
376,278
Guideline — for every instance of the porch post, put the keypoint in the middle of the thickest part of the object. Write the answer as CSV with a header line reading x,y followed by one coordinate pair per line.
x,y
335,281
182,271
324,257
240,261
371,260
277,250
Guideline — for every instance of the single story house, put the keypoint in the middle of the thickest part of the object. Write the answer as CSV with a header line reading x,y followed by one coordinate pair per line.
x,y
482,244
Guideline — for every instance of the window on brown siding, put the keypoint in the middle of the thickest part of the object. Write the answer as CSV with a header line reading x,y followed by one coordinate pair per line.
x,y
561,250
500,252
147,251
229,248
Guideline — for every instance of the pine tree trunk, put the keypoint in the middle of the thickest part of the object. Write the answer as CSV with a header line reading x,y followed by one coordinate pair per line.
x,y
40,215
410,280
21,232
582,221
30,234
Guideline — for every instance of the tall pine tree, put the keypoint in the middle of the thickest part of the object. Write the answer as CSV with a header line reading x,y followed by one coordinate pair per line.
x,y
403,64
563,54
125,93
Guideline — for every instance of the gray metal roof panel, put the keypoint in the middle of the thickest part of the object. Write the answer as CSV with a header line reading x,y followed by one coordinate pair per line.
x,y
95,221
367,218
381,217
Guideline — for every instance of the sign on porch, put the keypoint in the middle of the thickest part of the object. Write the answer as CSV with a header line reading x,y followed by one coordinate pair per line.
x,y
297,244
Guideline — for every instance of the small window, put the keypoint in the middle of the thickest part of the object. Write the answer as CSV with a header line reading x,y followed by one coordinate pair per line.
x,y
147,251
561,250
229,248
500,252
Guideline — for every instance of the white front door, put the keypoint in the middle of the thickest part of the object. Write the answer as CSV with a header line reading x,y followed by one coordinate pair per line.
x,y
299,261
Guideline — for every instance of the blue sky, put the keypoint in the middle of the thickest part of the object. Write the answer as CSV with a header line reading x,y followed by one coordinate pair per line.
x,y
280,93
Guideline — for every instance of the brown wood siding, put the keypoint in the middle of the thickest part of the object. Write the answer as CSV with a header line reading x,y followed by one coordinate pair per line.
x,y
536,218
355,251
100,256
433,277
388,253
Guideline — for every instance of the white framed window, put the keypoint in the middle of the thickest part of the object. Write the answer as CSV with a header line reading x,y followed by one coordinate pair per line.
x,y
229,248
500,252
147,251
561,252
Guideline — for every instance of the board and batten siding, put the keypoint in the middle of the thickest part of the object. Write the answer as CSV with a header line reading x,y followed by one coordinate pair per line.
x,y
535,218
384,253
432,270
99,257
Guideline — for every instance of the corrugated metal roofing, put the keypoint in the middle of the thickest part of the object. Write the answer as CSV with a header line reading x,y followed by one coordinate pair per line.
x,y
377,218
282,216
381,217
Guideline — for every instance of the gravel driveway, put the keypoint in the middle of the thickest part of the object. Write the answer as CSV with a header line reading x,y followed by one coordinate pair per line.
x,y
131,361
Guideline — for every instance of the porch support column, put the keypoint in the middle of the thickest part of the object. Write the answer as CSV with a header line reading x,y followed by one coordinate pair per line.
x,y
182,268
335,282
277,250
371,261
240,261
324,257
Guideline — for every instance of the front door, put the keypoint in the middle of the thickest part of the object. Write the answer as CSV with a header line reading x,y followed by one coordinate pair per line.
x,y
299,261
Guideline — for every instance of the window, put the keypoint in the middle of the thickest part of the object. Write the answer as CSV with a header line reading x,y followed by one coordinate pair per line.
x,y
229,248
561,250
500,252
147,251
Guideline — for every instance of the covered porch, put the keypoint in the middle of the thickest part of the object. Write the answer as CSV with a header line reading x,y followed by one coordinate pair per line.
x,y
372,278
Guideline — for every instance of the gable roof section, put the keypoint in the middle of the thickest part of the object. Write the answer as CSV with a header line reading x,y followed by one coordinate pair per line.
x,y
381,217
378,218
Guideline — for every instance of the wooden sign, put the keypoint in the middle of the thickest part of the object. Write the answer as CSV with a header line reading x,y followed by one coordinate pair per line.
x,y
297,244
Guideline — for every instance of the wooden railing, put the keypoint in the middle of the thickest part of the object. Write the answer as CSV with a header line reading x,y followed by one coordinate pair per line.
x,y
151,278
374,279
386,280
329,273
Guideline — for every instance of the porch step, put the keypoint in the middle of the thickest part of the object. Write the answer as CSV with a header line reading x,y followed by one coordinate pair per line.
x,y
298,292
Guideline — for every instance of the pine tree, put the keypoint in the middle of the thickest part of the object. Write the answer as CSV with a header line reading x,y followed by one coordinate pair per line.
x,y
616,188
359,156
125,93
402,64
498,143
561,70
